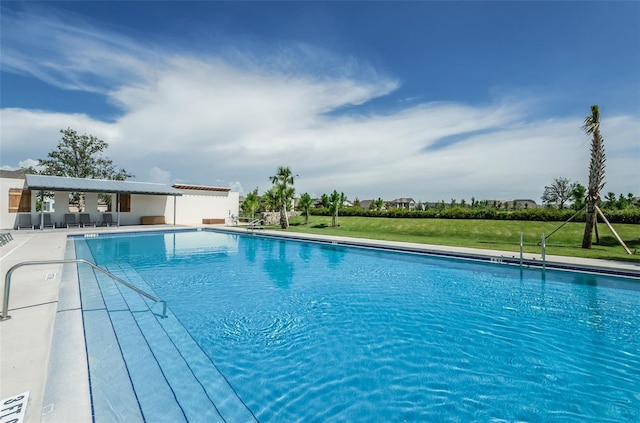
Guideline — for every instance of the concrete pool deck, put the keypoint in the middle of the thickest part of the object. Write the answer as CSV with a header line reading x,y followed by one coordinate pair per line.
x,y
39,306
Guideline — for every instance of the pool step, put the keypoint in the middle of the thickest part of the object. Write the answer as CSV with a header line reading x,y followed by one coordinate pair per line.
x,y
143,367
175,345
162,388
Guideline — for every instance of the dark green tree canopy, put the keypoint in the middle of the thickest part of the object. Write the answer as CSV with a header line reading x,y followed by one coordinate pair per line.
x,y
559,192
80,156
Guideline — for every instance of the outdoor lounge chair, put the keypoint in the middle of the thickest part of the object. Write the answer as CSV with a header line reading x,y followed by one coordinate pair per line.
x,y
107,219
24,221
85,219
46,221
70,220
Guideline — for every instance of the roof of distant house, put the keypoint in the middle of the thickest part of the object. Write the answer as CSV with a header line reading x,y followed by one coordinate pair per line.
x,y
12,174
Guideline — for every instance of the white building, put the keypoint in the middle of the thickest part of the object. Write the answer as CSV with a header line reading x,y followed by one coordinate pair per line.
x,y
128,203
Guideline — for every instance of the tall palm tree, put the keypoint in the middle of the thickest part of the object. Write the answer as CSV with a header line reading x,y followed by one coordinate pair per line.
x,y
596,172
283,191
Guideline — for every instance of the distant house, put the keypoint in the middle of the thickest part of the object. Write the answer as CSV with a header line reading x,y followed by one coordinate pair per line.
x,y
366,204
403,203
523,204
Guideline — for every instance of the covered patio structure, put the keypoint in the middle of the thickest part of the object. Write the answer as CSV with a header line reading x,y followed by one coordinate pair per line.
x,y
133,200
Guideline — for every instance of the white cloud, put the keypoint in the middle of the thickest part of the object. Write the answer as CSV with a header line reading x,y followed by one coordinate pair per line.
x,y
159,176
209,119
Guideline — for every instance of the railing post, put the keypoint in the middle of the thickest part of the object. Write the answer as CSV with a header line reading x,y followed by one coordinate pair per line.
x,y
521,236
544,252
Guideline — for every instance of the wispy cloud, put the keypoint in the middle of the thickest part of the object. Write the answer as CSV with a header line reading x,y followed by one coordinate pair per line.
x,y
235,115
66,52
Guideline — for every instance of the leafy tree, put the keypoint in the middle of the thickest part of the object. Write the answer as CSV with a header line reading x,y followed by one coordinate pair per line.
x,y
611,201
596,172
379,203
324,200
80,156
304,205
578,195
623,203
356,203
283,192
559,192
251,203
335,202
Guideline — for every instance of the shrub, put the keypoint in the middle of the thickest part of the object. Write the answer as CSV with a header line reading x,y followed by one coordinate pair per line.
x,y
629,215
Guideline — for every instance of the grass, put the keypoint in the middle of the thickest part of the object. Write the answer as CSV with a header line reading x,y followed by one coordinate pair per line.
x,y
488,234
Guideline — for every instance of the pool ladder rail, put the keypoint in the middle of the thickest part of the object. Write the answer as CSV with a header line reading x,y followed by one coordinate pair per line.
x,y
255,224
7,283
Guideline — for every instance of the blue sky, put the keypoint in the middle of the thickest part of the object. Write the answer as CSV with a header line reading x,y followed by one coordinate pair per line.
x,y
430,100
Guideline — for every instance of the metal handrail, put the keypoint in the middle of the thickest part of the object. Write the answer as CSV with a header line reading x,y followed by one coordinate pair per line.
x,y
7,283
253,224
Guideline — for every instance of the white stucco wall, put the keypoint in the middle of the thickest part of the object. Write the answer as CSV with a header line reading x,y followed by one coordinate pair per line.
x,y
195,205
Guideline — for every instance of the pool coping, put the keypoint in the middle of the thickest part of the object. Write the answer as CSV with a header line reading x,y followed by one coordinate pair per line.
x,y
37,304
530,260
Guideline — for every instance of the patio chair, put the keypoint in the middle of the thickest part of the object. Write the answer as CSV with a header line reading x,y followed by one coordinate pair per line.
x,y
107,219
70,220
46,221
24,221
85,219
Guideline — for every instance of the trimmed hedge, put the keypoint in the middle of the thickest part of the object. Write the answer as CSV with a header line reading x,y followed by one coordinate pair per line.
x,y
630,215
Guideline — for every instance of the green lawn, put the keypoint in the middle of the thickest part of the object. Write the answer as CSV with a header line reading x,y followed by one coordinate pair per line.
x,y
488,234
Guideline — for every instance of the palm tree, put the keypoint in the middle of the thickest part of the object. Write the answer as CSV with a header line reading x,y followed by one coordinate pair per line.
x,y
596,173
305,204
335,202
251,203
283,191
270,200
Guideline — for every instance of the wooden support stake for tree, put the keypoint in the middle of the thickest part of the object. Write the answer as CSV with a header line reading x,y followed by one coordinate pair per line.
x,y
612,230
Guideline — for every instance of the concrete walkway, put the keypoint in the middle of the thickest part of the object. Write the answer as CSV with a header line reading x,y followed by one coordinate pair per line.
x,y
26,338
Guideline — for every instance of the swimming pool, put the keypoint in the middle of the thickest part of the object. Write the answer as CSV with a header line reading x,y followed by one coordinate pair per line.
x,y
277,330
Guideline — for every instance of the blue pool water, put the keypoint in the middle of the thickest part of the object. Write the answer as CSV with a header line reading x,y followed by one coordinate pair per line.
x,y
319,332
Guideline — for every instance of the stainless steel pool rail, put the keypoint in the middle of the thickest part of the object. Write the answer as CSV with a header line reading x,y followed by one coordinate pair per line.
x,y
255,224
7,282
